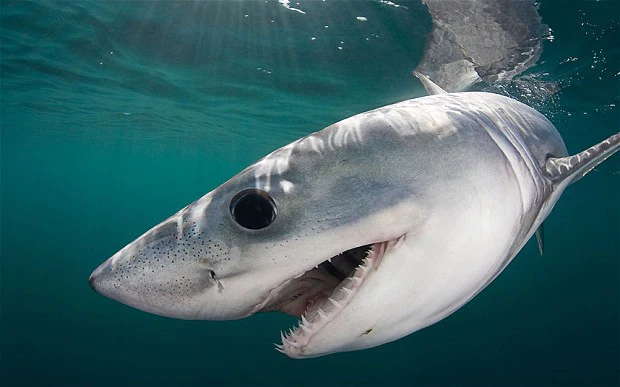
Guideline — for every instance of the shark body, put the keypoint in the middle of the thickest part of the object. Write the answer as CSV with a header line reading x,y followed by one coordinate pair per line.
x,y
368,230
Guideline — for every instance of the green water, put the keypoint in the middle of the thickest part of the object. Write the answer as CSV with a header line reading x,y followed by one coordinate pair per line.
x,y
116,114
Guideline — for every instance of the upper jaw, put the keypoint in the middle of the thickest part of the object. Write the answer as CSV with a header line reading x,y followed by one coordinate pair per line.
x,y
307,283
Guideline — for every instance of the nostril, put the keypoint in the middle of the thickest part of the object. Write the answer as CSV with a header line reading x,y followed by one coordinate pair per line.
x,y
91,281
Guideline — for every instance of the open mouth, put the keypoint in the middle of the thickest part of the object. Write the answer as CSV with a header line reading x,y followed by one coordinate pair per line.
x,y
321,293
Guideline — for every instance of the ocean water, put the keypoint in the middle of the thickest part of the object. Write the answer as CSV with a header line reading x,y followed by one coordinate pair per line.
x,y
114,115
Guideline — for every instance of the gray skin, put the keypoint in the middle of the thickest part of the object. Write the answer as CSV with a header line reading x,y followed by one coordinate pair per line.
x,y
447,187
481,40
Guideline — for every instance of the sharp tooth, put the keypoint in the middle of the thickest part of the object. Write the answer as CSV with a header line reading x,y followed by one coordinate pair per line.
x,y
321,313
329,260
347,290
279,347
281,350
282,337
336,303
304,321
306,329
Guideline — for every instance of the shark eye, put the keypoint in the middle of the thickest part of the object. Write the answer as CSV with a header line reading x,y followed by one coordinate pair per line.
x,y
253,209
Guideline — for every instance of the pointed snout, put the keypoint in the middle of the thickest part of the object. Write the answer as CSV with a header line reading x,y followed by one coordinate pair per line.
x,y
153,282
91,280
170,271
177,269
105,281
95,278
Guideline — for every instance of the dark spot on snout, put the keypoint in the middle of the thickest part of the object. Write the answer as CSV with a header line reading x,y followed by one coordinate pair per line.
x,y
220,287
367,331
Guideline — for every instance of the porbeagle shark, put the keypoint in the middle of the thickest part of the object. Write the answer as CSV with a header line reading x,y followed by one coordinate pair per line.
x,y
368,230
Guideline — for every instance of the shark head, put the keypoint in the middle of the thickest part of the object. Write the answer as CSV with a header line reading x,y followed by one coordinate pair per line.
x,y
300,232
368,230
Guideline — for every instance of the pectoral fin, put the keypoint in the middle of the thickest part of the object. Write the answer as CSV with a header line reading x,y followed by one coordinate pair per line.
x,y
569,169
540,238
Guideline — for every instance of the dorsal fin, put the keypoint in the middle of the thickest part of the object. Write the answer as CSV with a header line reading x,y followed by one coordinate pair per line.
x,y
430,86
569,169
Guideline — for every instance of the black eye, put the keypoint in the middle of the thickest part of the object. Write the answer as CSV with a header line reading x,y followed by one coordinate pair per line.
x,y
253,209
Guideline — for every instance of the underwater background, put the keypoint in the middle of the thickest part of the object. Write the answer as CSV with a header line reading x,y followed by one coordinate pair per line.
x,y
114,115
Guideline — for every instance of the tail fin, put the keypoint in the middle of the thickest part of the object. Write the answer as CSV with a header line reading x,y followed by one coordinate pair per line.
x,y
569,169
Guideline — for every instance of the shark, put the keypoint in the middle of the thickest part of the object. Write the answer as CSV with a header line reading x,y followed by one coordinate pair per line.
x,y
373,228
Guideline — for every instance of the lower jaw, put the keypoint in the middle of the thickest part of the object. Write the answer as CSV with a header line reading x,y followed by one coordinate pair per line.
x,y
323,310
